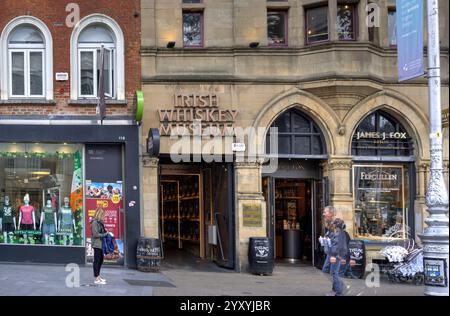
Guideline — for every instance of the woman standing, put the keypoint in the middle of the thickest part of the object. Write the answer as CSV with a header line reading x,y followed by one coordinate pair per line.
x,y
98,233
338,255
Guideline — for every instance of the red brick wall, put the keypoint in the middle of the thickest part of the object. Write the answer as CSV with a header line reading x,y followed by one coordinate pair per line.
x,y
53,14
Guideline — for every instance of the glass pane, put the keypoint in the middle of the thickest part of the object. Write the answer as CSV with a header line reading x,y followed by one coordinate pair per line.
x,y
36,73
87,73
51,177
392,28
18,73
302,145
301,124
284,145
276,28
317,147
192,1
345,25
379,202
26,34
385,125
96,34
317,24
283,123
192,29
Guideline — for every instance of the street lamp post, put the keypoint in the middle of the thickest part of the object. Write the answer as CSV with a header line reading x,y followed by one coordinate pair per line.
x,y
435,237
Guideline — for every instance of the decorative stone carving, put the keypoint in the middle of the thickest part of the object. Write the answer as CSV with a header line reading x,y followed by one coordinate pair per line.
x,y
339,164
150,162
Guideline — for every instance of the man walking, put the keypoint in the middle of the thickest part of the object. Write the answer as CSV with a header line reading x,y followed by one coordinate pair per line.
x,y
328,216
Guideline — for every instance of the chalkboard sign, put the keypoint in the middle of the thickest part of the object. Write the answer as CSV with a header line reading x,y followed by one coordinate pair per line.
x,y
260,255
148,254
357,250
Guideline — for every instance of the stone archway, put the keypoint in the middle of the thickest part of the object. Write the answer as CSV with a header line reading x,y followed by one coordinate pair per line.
x,y
403,109
320,112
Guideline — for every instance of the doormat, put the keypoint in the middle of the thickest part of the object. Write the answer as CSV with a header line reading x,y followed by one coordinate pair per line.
x,y
149,283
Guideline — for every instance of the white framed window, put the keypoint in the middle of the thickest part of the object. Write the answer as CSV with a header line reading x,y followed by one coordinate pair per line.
x,y
88,38
26,73
26,55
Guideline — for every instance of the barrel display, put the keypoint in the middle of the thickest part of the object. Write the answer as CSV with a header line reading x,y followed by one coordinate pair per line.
x,y
148,255
260,256
357,250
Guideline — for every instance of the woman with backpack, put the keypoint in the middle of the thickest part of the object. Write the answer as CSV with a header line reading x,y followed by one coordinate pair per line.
x,y
98,233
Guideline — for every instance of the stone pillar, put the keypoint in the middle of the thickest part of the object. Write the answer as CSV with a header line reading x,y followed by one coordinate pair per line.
x,y
332,23
383,29
362,16
249,199
150,200
339,172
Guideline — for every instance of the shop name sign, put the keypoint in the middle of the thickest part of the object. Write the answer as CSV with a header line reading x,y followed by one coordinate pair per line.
x,y
378,176
194,113
381,135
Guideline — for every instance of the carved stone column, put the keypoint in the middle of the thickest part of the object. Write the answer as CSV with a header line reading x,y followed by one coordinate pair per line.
x,y
251,215
150,199
339,172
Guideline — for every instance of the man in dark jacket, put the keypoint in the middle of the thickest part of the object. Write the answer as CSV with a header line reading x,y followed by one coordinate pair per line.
x,y
338,253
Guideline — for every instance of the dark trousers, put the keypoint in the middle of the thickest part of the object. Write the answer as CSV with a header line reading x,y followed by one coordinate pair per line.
x,y
98,261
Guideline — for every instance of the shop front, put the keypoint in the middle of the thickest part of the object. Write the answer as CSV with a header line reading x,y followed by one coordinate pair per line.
x,y
294,193
383,183
53,178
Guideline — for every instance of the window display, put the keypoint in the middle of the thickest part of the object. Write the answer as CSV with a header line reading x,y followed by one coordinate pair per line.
x,y
36,177
380,208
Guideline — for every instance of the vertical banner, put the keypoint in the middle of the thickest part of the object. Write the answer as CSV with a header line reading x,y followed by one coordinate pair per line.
x,y
410,39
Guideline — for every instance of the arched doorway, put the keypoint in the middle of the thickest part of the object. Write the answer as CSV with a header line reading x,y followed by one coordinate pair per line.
x,y
296,192
383,179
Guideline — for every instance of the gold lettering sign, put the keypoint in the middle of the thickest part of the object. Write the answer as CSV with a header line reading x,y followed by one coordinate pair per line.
x,y
197,114
252,215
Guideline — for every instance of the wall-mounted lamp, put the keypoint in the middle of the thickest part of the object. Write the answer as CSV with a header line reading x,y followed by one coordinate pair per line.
x,y
171,44
254,44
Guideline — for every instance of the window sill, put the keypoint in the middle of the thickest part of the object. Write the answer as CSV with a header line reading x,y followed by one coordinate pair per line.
x,y
89,102
27,102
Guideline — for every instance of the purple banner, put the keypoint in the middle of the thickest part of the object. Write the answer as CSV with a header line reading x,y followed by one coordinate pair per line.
x,y
410,39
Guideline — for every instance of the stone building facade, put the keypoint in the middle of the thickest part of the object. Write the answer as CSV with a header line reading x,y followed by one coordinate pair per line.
x,y
336,82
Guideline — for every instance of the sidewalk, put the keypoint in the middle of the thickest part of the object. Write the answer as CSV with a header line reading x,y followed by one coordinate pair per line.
x,y
287,280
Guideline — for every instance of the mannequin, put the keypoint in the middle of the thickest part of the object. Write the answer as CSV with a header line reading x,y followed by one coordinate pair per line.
x,y
26,215
48,223
7,220
66,222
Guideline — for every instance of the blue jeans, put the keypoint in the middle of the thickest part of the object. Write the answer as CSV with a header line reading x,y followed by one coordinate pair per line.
x,y
326,265
338,285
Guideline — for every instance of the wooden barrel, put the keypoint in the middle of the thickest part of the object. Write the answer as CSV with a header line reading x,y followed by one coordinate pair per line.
x,y
148,255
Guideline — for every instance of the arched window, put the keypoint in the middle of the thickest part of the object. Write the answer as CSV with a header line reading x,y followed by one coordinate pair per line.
x,y
297,135
92,35
26,57
90,44
379,134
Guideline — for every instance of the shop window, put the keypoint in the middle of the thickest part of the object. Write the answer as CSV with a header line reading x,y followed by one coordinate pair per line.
x,y
381,193
26,53
277,28
193,29
392,27
317,25
346,22
296,135
380,135
41,200
90,44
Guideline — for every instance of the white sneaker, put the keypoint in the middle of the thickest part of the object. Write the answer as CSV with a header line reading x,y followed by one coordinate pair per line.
x,y
99,282
102,279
